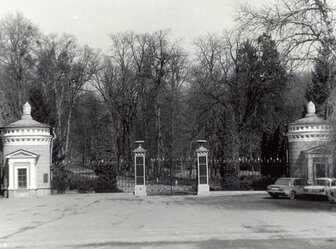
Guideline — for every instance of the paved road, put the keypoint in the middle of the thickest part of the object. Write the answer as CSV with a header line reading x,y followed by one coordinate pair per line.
x,y
125,221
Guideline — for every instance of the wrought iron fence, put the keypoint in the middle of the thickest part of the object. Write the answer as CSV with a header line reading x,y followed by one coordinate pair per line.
x,y
169,177
103,176
245,173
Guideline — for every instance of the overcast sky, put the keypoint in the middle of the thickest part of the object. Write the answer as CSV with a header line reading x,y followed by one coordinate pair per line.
x,y
92,20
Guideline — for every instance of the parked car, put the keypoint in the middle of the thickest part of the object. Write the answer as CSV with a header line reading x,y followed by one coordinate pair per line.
x,y
287,186
322,187
332,193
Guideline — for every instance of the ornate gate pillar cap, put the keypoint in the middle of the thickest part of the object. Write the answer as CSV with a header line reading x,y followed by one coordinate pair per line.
x,y
201,148
139,149
140,142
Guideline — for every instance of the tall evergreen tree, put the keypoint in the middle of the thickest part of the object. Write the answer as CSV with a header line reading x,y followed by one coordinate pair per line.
x,y
259,91
323,77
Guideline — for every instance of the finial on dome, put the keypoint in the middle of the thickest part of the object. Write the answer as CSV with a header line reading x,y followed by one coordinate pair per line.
x,y
310,109
26,111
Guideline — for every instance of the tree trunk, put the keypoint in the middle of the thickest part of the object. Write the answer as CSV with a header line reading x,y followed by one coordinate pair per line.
x,y
158,134
68,129
171,147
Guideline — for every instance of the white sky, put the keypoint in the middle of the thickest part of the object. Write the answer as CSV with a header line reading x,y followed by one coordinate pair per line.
x,y
92,20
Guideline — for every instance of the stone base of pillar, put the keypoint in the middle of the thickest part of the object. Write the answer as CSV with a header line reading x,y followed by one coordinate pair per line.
x,y
140,190
21,193
25,193
203,189
43,192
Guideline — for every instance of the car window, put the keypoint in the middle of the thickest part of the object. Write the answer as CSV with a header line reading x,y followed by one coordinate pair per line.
x,y
299,182
333,183
322,182
282,181
296,182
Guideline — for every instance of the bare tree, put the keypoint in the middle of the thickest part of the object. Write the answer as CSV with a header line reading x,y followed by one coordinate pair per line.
x,y
178,73
63,69
160,52
118,87
300,26
213,81
235,78
140,82
18,37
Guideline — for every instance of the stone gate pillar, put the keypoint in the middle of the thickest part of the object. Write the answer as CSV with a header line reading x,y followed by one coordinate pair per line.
x,y
140,173
202,169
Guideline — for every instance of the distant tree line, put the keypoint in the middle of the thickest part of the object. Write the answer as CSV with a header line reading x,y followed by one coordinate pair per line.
x,y
238,91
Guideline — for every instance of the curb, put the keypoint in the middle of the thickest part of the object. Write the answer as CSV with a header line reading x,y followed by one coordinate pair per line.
x,y
131,195
236,193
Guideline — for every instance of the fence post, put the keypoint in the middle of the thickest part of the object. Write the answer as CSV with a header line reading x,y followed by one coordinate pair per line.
x,y
140,173
203,169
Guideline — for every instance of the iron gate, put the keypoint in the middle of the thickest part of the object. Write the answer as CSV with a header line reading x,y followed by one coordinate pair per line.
x,y
171,177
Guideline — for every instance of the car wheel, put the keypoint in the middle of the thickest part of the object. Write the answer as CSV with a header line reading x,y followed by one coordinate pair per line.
x,y
275,196
331,197
292,195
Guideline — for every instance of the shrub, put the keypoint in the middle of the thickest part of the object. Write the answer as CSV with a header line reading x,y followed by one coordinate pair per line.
x,y
230,182
229,176
262,182
107,178
233,182
83,184
245,182
61,178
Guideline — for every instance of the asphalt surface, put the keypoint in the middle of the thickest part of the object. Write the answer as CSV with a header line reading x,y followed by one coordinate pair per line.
x,y
125,221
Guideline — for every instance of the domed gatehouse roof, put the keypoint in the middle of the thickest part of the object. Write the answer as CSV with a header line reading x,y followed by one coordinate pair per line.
x,y
310,117
26,120
309,128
